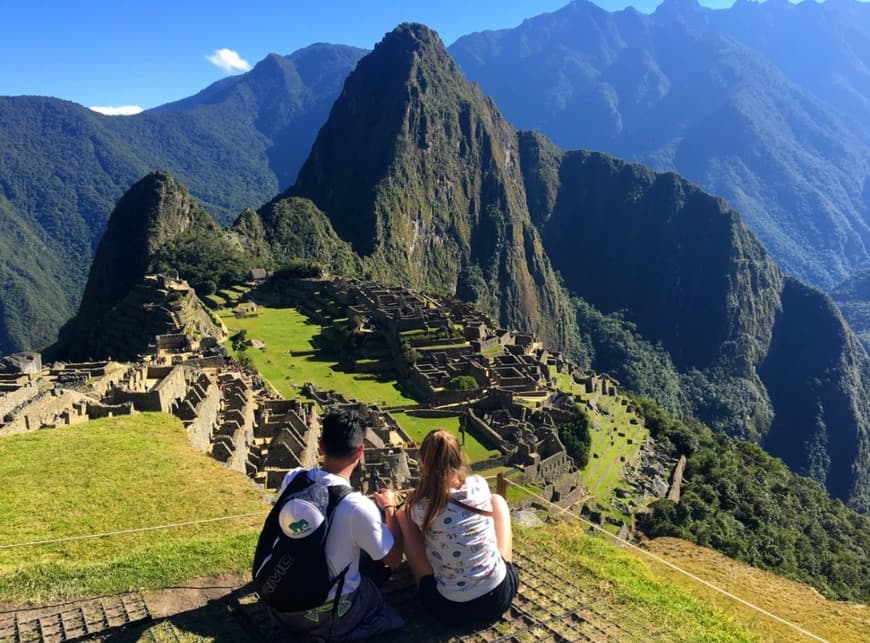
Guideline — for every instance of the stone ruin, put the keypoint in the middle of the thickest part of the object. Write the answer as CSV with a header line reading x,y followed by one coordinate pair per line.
x,y
530,441
228,413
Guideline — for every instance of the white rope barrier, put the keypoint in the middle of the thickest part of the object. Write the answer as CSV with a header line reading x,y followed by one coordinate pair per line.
x,y
138,530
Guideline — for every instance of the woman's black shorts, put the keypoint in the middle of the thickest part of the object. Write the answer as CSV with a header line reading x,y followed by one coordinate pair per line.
x,y
486,608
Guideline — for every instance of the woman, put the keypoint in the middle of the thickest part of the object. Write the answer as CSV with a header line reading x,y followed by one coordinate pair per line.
x,y
457,538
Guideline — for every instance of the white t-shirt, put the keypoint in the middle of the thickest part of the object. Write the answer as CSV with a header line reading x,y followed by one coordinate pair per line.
x,y
461,545
356,524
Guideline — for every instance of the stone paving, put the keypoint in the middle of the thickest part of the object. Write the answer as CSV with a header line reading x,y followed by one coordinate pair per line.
x,y
549,607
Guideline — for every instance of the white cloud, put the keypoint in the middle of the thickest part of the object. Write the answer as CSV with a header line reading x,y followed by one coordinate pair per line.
x,y
121,110
228,60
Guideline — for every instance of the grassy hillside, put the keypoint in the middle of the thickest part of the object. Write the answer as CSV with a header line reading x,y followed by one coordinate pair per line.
x,y
111,475
746,504
799,604
626,590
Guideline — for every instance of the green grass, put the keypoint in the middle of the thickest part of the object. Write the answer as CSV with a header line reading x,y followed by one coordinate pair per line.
x,y
518,492
110,475
418,427
217,300
444,347
602,475
286,330
625,587
230,294
492,350
565,382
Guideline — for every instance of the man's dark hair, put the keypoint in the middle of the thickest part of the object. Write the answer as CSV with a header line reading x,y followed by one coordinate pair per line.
x,y
343,432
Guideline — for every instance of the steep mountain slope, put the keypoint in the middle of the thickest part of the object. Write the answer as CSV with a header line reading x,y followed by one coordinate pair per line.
x,y
831,61
816,374
690,275
30,265
681,91
420,173
853,298
63,168
154,214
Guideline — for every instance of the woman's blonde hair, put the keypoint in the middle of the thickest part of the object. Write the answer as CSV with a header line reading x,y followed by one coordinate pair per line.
x,y
442,464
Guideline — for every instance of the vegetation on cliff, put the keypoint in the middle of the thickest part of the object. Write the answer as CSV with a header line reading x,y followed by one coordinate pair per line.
x,y
745,503
698,316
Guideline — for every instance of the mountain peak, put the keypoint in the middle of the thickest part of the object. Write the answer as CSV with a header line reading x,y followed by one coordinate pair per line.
x,y
155,209
676,9
412,33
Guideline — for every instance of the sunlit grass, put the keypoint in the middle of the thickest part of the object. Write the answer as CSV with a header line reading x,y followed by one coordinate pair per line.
x,y
604,472
792,601
111,475
622,585
292,357
418,428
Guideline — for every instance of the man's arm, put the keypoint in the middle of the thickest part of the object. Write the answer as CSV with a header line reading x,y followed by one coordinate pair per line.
x,y
386,500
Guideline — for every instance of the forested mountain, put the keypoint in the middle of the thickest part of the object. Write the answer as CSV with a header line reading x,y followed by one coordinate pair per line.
x,y
764,104
853,298
64,167
417,179
761,357
724,97
156,225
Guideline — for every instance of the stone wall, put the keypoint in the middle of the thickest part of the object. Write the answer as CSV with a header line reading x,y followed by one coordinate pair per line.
x,y
60,408
477,424
16,398
171,387
200,429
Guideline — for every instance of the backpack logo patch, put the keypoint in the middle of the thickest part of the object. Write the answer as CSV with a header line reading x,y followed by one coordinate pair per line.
x,y
299,517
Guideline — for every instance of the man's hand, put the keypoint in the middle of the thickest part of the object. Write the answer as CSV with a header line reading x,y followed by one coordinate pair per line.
x,y
384,498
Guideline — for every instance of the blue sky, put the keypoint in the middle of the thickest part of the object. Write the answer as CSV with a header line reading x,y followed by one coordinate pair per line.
x,y
148,52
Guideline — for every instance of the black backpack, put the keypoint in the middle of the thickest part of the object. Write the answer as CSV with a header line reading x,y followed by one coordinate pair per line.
x,y
290,571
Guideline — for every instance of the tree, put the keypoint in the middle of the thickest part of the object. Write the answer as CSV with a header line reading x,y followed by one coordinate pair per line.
x,y
462,383
576,438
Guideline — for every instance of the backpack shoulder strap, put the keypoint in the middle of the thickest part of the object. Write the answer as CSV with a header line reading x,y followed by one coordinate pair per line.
x,y
337,493
298,483
476,510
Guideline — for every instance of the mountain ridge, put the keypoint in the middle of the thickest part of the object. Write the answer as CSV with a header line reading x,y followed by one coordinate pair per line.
x,y
686,90
437,191
66,166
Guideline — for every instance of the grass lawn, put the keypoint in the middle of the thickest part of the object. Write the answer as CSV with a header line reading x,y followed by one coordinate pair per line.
x,y
216,299
286,330
565,382
418,427
111,475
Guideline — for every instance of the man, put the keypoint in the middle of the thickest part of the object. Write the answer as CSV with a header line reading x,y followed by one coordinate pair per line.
x,y
356,527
